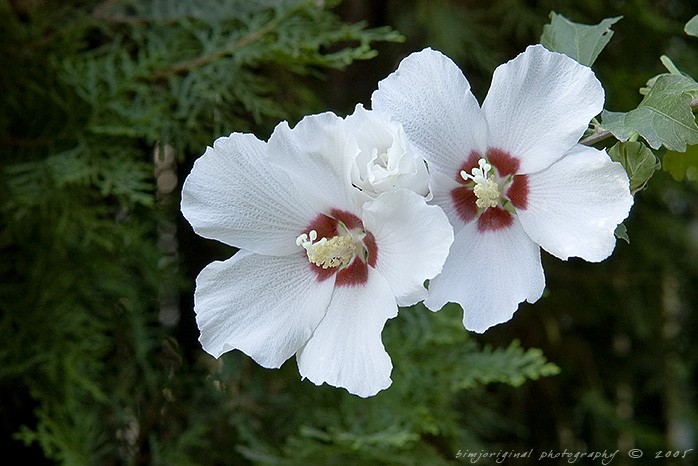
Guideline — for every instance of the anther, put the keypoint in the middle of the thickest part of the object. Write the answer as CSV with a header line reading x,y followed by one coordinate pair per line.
x,y
487,194
337,251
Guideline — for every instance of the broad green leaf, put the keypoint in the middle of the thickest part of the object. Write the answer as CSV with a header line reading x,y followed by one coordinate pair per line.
x,y
663,118
638,160
691,27
671,68
580,41
682,165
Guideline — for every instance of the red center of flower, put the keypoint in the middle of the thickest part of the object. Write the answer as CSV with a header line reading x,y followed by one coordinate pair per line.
x,y
354,248
500,191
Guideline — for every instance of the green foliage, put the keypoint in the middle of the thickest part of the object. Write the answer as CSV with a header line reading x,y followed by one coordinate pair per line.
x,y
621,232
638,160
579,41
170,69
512,365
682,165
663,118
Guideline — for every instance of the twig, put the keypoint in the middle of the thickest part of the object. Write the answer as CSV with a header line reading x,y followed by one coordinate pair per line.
x,y
202,60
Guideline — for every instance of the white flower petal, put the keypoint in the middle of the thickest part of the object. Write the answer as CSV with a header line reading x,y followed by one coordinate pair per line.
x,y
575,205
265,306
441,187
429,95
233,195
317,154
539,105
413,239
488,273
346,348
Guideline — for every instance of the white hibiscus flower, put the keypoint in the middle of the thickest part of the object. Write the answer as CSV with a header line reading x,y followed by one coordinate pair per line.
x,y
320,269
510,174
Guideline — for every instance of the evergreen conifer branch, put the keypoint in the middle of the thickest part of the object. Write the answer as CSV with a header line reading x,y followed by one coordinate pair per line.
x,y
202,60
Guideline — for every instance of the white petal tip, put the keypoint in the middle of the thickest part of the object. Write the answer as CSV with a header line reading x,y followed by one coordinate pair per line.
x,y
362,392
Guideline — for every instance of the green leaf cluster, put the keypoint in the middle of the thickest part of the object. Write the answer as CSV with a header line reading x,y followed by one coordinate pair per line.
x,y
682,165
638,160
664,118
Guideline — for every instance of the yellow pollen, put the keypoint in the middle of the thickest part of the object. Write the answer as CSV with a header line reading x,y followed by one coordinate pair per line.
x,y
487,194
337,251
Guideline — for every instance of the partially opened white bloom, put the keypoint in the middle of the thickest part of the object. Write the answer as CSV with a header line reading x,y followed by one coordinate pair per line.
x,y
510,174
386,160
320,269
